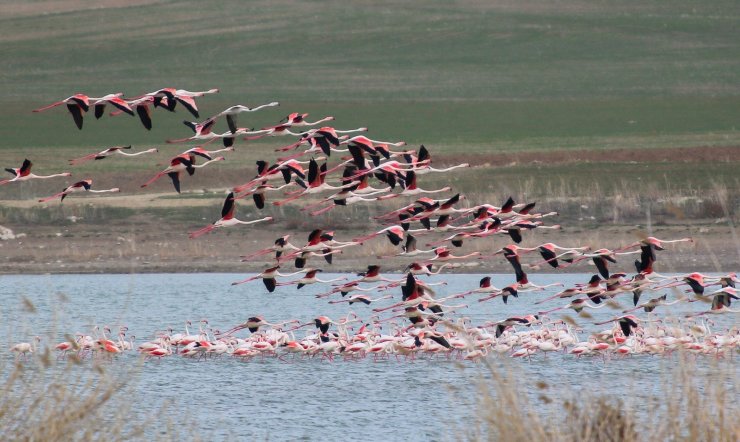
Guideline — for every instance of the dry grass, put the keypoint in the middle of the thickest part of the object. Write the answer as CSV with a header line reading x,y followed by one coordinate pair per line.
x,y
693,407
44,399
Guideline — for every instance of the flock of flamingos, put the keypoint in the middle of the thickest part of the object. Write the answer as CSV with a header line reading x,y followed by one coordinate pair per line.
x,y
419,323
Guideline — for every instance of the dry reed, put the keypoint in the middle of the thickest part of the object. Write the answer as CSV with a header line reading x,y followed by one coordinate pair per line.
x,y
695,405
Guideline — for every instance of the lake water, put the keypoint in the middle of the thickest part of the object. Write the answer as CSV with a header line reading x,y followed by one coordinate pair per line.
x,y
310,399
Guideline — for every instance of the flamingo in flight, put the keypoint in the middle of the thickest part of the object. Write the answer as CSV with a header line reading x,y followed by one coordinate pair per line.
x,y
360,298
394,233
549,253
324,139
110,152
207,154
268,277
231,113
179,164
204,132
316,184
174,96
227,218
80,186
348,287
281,245
23,173
141,107
258,193
115,100
422,162
310,278
650,305
344,197
411,189
284,169
77,105
299,119
372,274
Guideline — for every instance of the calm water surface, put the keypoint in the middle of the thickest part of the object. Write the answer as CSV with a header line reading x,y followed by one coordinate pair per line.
x,y
312,399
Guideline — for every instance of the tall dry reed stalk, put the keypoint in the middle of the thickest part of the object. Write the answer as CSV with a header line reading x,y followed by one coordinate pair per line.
x,y
696,405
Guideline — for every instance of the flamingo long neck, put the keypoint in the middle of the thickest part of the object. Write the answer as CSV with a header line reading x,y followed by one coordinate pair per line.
x,y
399,144
115,189
308,123
207,162
459,166
137,153
43,177
262,106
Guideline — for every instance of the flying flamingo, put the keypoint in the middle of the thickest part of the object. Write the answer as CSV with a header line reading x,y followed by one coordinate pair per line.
x,y
258,193
316,184
231,113
503,325
227,218
696,281
626,323
601,258
281,245
360,298
484,287
174,96
299,119
113,99
394,234
345,197
310,278
284,170
207,154
179,164
409,249
141,107
509,290
422,162
348,287
23,173
324,139
443,254
204,132
650,305
76,104
411,189
360,144
577,304
549,253
372,274
268,277
302,257
80,186
254,323
109,152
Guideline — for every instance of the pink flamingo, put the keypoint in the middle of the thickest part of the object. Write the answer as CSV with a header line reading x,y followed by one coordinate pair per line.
x,y
80,186
109,152
231,113
179,164
23,173
227,218
77,105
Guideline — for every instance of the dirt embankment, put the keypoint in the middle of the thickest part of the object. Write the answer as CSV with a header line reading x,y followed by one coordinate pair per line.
x,y
128,248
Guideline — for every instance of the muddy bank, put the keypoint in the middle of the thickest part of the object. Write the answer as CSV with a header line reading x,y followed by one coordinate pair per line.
x,y
155,249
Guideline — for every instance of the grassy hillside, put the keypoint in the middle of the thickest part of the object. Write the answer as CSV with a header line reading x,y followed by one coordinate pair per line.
x,y
472,75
